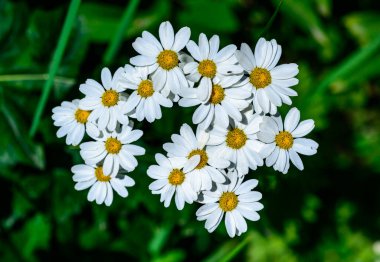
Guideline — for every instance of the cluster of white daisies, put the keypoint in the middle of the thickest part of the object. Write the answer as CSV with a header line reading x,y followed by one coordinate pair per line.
x,y
236,92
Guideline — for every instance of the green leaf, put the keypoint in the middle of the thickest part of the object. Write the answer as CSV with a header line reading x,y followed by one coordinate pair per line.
x,y
34,235
364,26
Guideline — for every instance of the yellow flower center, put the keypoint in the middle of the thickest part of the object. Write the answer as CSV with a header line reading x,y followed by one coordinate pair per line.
x,y
82,115
236,138
167,59
207,68
228,201
145,88
284,140
110,98
260,77
217,94
113,145
204,158
100,175
176,177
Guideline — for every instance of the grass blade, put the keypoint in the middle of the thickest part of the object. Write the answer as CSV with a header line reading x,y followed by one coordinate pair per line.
x,y
270,22
114,45
56,60
345,68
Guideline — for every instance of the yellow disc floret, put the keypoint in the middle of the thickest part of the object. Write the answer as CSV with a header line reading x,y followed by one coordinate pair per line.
x,y
207,68
176,177
145,88
203,155
228,201
217,94
260,77
110,98
236,138
81,116
113,145
167,59
100,175
284,140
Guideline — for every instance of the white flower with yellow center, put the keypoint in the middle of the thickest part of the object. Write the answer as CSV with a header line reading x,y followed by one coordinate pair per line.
x,y
285,141
105,101
190,148
102,185
171,179
115,149
236,200
73,122
145,101
238,143
210,63
162,58
270,83
228,97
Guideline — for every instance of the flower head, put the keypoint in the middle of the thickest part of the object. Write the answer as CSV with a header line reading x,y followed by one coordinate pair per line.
x,y
236,200
285,141
270,83
102,186
105,101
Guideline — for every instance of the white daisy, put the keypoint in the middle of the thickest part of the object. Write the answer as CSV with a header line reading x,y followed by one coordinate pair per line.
x,y
73,122
190,148
269,83
115,149
171,179
102,186
238,143
162,58
285,142
228,97
106,101
210,63
145,101
236,200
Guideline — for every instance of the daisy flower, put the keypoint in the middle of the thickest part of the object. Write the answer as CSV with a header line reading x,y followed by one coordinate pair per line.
x,y
73,122
144,102
269,83
104,100
172,179
162,57
115,149
236,200
285,141
102,186
228,97
238,143
190,148
210,63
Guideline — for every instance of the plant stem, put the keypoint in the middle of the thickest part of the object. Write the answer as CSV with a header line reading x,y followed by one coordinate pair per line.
x,y
125,21
57,57
270,22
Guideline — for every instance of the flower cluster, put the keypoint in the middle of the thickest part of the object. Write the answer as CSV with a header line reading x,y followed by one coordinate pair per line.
x,y
238,128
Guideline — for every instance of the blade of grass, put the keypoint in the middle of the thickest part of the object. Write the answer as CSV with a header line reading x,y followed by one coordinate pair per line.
x,y
236,250
56,60
36,77
270,22
348,66
125,21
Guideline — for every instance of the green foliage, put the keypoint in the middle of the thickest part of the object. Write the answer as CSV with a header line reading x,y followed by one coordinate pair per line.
x,y
328,212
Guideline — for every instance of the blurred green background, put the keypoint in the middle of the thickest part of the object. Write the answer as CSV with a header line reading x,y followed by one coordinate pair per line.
x,y
328,212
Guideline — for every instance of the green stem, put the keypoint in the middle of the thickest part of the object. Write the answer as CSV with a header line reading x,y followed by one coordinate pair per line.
x,y
270,22
35,77
114,45
348,66
236,250
57,57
